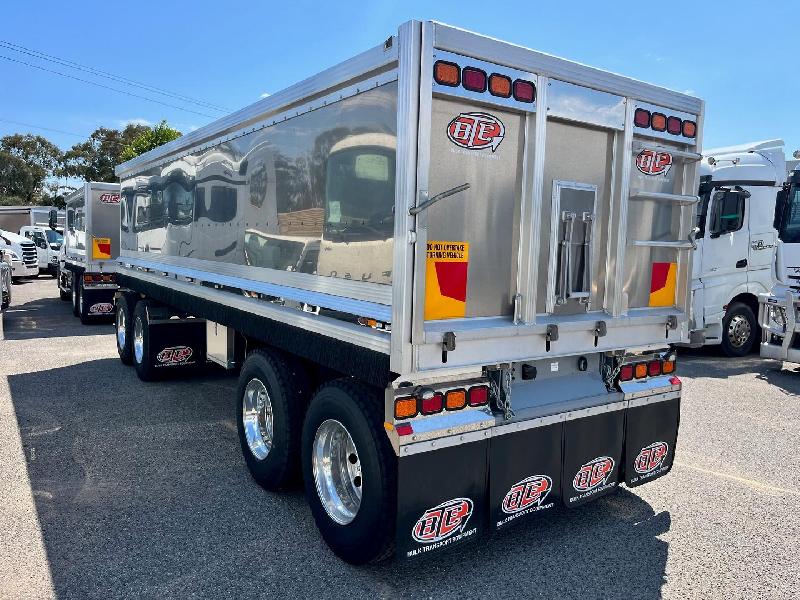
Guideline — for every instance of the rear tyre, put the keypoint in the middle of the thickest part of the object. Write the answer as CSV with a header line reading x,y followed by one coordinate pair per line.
x,y
140,343
123,328
739,330
272,396
350,472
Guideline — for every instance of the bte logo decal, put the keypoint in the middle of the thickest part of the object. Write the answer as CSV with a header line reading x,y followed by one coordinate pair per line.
x,y
531,491
651,457
442,521
476,131
593,474
651,162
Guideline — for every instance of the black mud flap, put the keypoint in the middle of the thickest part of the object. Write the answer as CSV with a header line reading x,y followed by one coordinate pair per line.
x,y
592,457
176,344
441,498
98,302
525,473
651,432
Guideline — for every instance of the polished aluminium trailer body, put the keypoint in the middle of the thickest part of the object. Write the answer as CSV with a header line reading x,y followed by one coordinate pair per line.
x,y
86,269
472,247
734,259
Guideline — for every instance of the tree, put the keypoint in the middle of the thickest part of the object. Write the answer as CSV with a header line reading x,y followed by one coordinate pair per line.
x,y
95,159
40,157
147,140
15,179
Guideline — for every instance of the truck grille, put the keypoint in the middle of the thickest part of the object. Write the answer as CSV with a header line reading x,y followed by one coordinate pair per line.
x,y
29,254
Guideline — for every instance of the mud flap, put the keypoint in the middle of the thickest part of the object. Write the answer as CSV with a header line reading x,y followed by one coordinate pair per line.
x,y
441,498
592,456
98,302
525,473
176,344
651,431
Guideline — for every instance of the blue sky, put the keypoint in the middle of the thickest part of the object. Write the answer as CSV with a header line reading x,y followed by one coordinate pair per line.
x,y
739,58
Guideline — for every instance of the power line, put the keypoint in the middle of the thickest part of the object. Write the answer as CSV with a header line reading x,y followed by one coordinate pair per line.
x,y
118,78
78,135
107,87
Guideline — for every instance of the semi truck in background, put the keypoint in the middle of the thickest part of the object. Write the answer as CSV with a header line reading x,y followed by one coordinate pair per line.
x,y
22,252
86,271
5,280
448,270
48,246
734,260
778,309
43,225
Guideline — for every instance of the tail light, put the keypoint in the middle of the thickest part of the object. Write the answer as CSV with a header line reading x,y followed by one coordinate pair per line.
x,y
500,85
473,79
446,73
405,407
673,125
626,373
455,399
689,129
524,91
658,122
641,118
640,370
654,368
479,395
433,405
668,366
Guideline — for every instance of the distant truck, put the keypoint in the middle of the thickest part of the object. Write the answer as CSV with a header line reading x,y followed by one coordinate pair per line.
x,y
86,273
5,280
736,236
22,252
48,246
449,271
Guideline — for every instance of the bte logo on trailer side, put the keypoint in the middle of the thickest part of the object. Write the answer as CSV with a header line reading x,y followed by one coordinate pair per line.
x,y
651,162
476,131
176,355
101,308
109,198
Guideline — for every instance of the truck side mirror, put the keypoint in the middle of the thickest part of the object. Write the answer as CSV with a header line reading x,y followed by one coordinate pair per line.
x,y
53,219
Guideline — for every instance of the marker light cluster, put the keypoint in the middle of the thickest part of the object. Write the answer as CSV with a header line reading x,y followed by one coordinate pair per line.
x,y
660,122
98,278
407,407
474,79
641,370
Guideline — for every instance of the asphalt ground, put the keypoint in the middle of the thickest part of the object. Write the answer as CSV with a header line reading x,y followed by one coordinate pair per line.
x,y
114,488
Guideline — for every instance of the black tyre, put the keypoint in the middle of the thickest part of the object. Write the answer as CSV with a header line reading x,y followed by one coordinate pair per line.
x,y
65,296
739,330
272,396
76,284
350,472
123,328
140,343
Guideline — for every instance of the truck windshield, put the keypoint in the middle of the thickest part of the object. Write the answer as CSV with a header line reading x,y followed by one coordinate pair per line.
x,y
790,224
53,237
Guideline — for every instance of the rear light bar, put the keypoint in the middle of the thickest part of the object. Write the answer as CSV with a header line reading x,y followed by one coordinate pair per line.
x,y
475,80
660,122
644,369
98,278
408,407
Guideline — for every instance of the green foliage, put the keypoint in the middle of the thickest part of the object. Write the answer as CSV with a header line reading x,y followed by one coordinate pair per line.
x,y
95,159
149,139
26,161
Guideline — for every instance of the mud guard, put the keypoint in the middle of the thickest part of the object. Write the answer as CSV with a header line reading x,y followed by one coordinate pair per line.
x,y
99,302
176,343
651,432
441,498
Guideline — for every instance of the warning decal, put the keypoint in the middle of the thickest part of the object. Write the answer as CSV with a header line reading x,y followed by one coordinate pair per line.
x,y
662,284
446,266
101,248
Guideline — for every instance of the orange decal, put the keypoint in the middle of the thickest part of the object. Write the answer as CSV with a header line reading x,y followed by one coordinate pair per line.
x,y
662,284
101,248
446,266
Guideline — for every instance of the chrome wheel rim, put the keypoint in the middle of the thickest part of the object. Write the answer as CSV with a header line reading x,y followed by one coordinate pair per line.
x,y
80,300
138,340
739,331
337,471
121,328
74,296
257,418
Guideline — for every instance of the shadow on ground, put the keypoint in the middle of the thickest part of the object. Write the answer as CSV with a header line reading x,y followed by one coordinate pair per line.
x,y
141,490
47,318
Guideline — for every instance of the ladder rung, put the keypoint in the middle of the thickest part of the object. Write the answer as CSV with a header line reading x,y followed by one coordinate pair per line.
x,y
663,197
685,155
676,245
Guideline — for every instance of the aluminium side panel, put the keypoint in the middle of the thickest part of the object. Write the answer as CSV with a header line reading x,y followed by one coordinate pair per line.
x,y
102,225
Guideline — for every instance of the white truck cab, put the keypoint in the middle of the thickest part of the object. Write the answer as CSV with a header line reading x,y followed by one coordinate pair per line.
x,y
736,238
48,244
24,262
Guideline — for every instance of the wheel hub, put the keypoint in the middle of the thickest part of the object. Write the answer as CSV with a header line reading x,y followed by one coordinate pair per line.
x,y
337,471
138,340
257,418
739,331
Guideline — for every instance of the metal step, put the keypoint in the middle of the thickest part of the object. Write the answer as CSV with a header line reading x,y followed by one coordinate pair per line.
x,y
675,245
685,155
664,197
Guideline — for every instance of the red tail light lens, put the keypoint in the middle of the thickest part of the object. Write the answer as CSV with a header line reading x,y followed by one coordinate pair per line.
x,y
479,395
446,73
473,79
658,122
626,373
674,125
500,85
524,91
689,129
654,368
641,118
431,406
